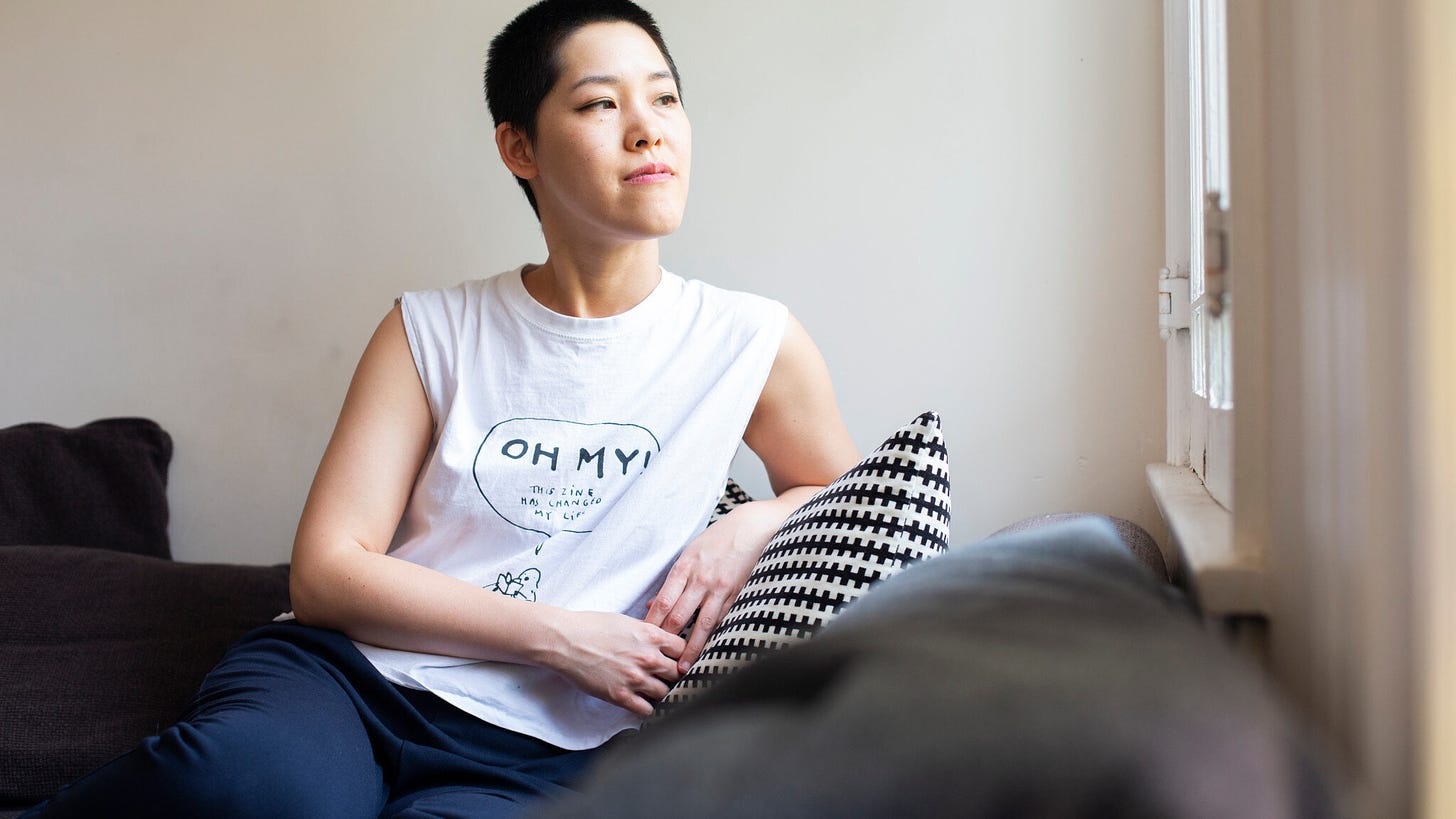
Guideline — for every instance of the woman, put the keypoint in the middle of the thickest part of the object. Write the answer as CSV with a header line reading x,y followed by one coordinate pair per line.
x,y
505,539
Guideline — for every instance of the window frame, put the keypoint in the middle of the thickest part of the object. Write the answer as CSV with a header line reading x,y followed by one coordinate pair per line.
x,y
1194,489
1197,167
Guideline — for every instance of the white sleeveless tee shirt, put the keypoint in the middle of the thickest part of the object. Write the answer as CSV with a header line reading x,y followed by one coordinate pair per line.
x,y
571,461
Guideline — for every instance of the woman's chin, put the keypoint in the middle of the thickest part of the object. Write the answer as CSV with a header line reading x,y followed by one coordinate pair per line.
x,y
654,225
641,222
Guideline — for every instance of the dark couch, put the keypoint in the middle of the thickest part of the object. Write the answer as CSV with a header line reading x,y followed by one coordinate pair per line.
x,y
99,649
1049,671
103,638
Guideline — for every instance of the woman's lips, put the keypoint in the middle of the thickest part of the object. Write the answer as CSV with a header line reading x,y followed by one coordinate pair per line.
x,y
650,173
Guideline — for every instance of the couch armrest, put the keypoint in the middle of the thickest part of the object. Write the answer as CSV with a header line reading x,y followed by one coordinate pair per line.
x,y
100,649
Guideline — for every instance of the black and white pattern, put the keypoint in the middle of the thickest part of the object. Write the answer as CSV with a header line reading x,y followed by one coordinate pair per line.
x,y
887,512
733,496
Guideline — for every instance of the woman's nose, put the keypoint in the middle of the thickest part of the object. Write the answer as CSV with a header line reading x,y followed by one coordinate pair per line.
x,y
644,133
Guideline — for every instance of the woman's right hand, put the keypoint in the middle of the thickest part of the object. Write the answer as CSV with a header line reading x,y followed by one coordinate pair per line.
x,y
622,660
342,577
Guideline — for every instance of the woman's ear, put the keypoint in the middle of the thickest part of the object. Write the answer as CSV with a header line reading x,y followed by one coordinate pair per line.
x,y
515,150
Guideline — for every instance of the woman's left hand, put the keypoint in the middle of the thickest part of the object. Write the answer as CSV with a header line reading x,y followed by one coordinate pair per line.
x,y
712,569
797,432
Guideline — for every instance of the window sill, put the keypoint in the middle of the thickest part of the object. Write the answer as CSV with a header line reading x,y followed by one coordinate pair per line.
x,y
1224,580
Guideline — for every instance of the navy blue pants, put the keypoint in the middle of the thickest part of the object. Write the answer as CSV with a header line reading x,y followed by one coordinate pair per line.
x,y
296,722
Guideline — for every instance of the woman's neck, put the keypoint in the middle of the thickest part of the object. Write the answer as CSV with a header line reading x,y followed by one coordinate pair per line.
x,y
595,282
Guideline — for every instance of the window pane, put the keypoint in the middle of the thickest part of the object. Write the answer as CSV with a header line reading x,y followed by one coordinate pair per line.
x,y
1220,371
1197,165
1215,165
1198,334
1215,101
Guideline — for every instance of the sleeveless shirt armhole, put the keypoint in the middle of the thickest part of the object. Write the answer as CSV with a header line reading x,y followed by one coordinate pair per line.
x,y
779,324
780,313
775,324
414,337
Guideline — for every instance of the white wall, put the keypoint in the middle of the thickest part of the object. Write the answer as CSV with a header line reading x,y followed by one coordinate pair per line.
x,y
206,208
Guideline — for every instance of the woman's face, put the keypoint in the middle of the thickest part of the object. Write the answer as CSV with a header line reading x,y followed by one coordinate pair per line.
x,y
613,146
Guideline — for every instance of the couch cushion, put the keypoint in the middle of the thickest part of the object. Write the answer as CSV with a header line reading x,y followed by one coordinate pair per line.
x,y
1040,674
1134,537
100,649
888,511
101,486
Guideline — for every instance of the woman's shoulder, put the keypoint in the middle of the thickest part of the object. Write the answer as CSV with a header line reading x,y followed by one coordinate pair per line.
x,y
465,289
459,299
724,298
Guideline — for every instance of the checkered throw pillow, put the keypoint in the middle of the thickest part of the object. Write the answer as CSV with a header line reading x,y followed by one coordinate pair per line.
x,y
887,512
733,496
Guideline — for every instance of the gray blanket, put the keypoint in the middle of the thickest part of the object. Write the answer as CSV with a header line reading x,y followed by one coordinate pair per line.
x,y
1041,674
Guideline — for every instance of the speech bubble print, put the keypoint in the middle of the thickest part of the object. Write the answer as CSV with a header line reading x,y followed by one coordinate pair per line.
x,y
549,476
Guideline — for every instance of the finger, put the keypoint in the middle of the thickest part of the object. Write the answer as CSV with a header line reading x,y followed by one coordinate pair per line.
x,y
637,705
683,610
654,689
673,645
667,670
627,695
708,616
666,597
670,645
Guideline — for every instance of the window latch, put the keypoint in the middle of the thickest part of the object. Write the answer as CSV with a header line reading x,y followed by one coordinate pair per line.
x,y
1215,252
1172,303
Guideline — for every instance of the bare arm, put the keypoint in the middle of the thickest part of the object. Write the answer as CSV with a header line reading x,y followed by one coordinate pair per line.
x,y
797,431
796,428
342,578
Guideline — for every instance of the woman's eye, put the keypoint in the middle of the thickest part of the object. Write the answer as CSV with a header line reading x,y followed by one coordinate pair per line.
x,y
598,105
667,99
